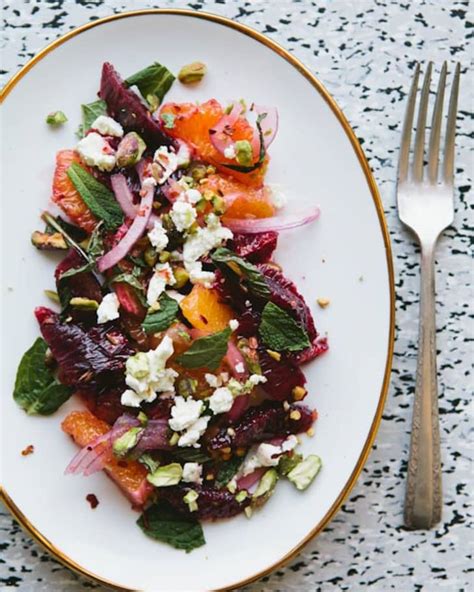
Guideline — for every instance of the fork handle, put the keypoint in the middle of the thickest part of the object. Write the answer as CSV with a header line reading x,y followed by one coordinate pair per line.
x,y
423,500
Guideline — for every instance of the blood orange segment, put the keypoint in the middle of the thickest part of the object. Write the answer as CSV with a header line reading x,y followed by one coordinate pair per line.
x,y
192,124
203,308
130,476
66,195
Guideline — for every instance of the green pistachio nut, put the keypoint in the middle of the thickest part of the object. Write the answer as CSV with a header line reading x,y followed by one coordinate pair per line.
x,y
243,152
166,476
56,118
190,499
266,486
126,441
130,150
84,303
192,73
305,472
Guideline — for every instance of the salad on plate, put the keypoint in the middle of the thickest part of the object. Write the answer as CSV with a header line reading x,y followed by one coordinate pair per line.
x,y
170,319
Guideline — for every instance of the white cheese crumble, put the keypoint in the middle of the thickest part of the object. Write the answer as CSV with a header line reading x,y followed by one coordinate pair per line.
x,y
192,196
183,215
175,295
162,276
184,413
96,151
184,154
221,400
146,374
240,368
212,380
157,236
234,324
108,309
198,276
266,455
192,473
167,162
194,432
229,152
107,126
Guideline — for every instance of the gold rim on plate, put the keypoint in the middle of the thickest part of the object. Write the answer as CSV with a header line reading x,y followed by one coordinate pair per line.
x,y
246,30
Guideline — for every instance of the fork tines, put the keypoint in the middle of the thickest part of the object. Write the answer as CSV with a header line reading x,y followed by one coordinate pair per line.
x,y
416,173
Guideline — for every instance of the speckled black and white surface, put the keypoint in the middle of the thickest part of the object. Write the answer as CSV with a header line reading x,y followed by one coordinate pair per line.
x,y
363,51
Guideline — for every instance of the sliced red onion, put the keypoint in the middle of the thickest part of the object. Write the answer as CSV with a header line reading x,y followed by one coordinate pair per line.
x,y
221,133
276,223
123,195
135,231
269,126
251,479
238,408
155,436
235,358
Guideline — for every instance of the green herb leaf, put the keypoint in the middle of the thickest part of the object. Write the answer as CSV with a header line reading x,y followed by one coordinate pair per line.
x,y
163,317
165,524
149,462
95,248
281,332
128,278
206,352
153,80
56,118
74,232
228,470
191,455
90,112
168,118
254,278
96,196
36,389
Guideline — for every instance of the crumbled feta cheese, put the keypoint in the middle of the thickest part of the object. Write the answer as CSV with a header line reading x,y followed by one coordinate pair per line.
x,y
96,151
221,400
183,215
146,374
162,277
265,455
212,380
198,276
157,236
175,295
192,196
229,152
192,472
204,239
243,388
255,379
234,324
184,154
277,197
167,162
184,413
107,126
194,432
240,368
290,443
108,308
148,182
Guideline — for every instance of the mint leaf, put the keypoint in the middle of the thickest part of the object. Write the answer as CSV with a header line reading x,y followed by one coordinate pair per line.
x,y
97,197
206,352
90,112
280,332
36,389
164,523
162,318
128,278
228,470
153,80
254,278
191,455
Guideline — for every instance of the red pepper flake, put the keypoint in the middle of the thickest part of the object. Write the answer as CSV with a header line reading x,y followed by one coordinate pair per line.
x,y
28,450
203,319
93,501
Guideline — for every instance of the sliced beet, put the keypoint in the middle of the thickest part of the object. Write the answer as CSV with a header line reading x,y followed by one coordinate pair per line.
x,y
88,358
127,108
317,348
257,248
282,376
80,285
212,503
105,404
262,423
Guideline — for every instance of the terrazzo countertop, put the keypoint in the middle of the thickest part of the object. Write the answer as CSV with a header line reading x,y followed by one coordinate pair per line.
x,y
364,52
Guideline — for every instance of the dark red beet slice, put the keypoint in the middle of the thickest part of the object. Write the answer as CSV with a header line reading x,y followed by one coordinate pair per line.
x,y
87,358
318,347
212,503
159,409
285,294
282,376
264,423
106,404
126,108
257,248
82,284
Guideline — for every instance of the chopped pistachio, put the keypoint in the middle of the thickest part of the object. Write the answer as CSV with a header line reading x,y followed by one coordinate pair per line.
x,y
174,439
187,386
153,101
211,170
52,295
181,276
288,462
295,415
299,393
130,150
150,256
168,119
248,512
84,303
273,354
243,152
232,486
192,73
198,172
305,471
166,475
310,432
142,418
190,500
164,256
266,485
42,240
56,118
126,441
149,462
323,302
241,496
218,204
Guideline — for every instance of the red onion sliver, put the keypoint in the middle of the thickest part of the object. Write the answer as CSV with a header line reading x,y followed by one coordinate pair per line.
x,y
135,231
269,125
123,195
240,405
234,357
276,223
251,479
220,136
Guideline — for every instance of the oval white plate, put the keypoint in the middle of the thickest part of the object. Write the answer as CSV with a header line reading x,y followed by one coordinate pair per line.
x,y
345,256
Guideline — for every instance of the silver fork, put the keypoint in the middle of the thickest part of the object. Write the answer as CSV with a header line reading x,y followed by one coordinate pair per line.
x,y
425,205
